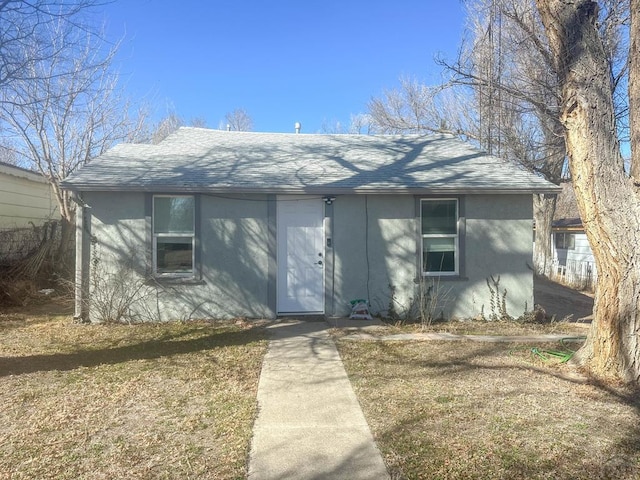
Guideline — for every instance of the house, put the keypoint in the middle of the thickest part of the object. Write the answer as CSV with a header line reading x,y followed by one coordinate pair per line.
x,y
573,259
240,224
26,204
25,198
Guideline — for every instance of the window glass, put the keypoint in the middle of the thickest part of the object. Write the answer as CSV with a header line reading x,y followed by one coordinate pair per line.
x,y
173,234
173,214
439,254
439,217
439,228
565,241
174,255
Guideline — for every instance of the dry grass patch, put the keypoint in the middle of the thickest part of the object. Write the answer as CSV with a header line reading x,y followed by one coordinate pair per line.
x,y
116,401
477,327
468,410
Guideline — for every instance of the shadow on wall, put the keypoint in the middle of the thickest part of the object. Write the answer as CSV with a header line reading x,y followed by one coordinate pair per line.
x,y
381,260
233,263
235,237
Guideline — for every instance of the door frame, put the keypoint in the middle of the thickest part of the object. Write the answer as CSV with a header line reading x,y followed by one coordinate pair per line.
x,y
280,237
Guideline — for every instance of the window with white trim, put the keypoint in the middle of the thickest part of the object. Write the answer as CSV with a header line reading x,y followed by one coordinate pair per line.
x,y
173,235
565,241
440,237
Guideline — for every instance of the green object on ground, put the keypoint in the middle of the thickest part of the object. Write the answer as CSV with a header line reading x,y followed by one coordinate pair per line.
x,y
564,355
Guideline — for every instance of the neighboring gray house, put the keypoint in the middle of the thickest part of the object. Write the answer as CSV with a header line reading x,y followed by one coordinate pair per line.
x,y
239,224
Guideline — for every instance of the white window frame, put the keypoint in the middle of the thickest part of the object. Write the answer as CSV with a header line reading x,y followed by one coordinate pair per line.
x,y
570,245
455,236
191,235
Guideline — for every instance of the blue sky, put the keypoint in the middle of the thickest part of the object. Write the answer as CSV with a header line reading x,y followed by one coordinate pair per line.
x,y
307,61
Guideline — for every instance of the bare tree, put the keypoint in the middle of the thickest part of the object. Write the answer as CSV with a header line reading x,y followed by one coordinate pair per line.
x,y
165,127
515,89
634,89
503,94
66,109
239,120
608,198
474,107
414,107
8,153
567,206
199,122
24,33
361,124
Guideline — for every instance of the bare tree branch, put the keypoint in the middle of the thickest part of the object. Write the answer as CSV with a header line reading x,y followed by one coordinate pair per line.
x,y
24,33
239,120
65,109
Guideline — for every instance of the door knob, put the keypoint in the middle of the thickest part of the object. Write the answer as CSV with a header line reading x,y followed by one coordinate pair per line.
x,y
319,262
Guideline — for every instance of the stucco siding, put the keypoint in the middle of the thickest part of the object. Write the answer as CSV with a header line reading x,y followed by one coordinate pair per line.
x,y
374,253
115,256
231,267
235,258
498,243
377,250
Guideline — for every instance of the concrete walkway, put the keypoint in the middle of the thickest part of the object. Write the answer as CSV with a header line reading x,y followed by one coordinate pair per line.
x,y
309,425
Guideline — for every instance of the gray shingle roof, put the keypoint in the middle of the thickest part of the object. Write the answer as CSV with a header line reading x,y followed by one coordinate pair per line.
x,y
198,159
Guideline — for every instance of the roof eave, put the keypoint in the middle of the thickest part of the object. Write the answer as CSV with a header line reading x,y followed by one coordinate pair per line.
x,y
312,190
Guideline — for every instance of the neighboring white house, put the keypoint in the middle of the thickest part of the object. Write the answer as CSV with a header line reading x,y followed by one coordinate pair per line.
x,y
26,202
25,198
573,259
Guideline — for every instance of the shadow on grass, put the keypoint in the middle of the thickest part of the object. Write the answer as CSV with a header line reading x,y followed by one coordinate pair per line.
x,y
164,346
21,317
449,363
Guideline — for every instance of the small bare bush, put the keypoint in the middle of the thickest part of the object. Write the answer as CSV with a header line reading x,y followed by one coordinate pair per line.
x,y
119,296
429,304
433,300
497,301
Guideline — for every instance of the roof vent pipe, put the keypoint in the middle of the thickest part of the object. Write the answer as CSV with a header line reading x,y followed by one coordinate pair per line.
x,y
297,126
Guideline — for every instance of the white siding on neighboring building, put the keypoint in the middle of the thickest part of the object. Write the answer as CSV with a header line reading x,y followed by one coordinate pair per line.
x,y
25,198
579,250
573,259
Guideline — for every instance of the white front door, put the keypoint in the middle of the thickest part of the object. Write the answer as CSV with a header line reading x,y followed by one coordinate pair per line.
x,y
300,254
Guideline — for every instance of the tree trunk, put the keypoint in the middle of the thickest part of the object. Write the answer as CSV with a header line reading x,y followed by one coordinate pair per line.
x,y
544,207
65,255
609,202
634,88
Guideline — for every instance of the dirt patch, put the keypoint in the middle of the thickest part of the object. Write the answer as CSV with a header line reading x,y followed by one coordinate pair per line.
x,y
562,303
